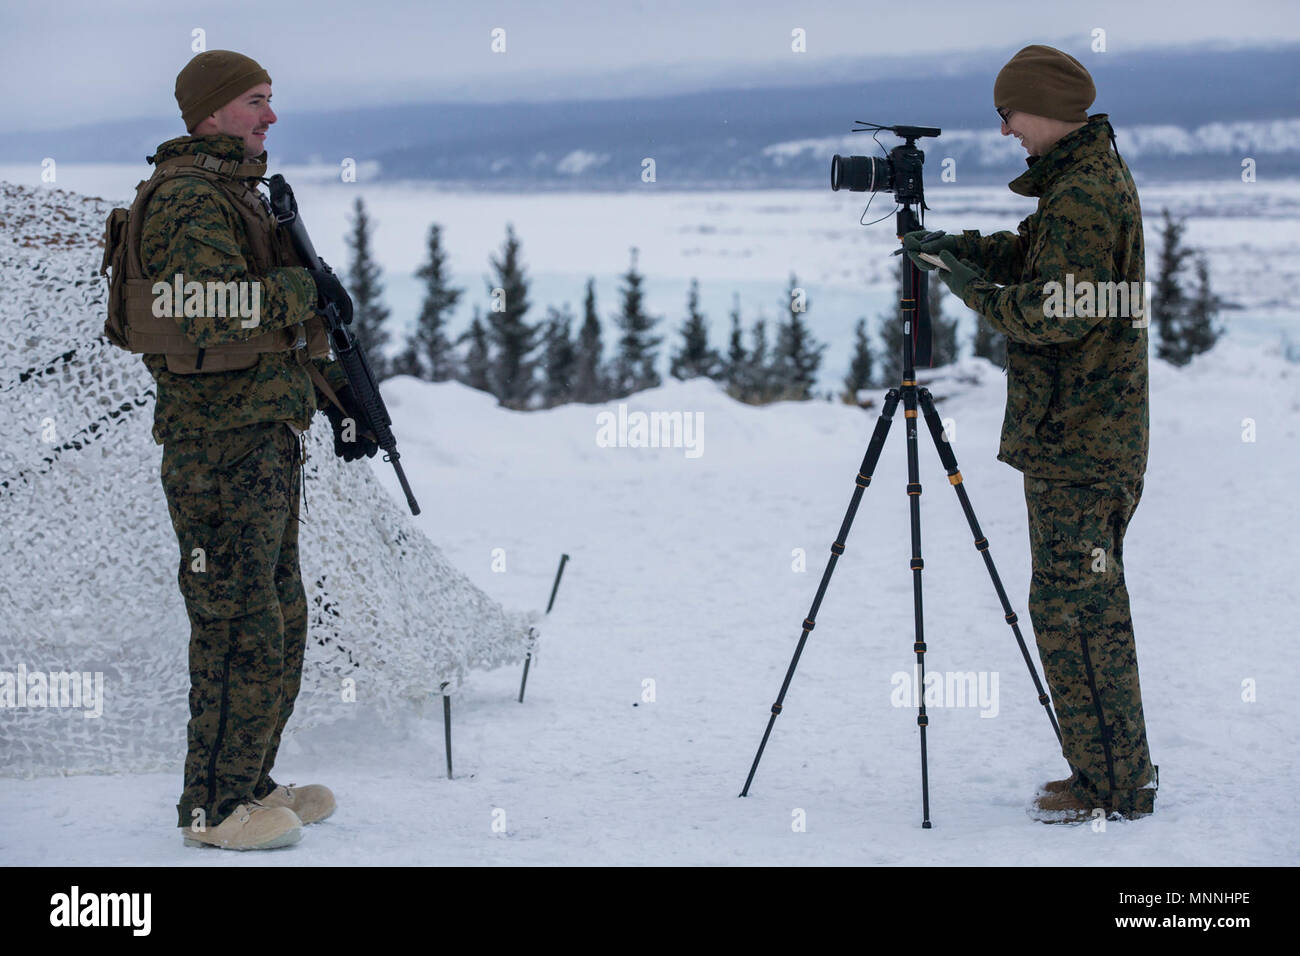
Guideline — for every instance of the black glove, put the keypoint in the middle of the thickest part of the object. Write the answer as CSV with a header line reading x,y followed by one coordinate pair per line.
x,y
330,290
360,444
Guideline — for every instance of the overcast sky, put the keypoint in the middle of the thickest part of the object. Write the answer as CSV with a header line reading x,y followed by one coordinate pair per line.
x,y
67,63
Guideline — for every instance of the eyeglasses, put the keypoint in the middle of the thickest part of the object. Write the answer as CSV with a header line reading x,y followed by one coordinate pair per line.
x,y
1004,115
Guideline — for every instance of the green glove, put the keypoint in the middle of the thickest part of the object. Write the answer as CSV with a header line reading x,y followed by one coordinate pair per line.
x,y
912,244
959,273
921,264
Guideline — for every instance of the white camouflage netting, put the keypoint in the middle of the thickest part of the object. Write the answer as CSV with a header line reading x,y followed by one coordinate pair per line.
x,y
89,558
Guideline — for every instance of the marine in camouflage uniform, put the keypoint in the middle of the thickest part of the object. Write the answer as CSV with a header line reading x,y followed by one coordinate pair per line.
x,y
230,471
1076,425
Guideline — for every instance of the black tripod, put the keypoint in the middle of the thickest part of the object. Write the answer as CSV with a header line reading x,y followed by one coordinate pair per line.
x,y
915,338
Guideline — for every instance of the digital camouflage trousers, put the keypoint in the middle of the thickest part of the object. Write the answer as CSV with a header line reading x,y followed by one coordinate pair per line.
x,y
1079,605
233,497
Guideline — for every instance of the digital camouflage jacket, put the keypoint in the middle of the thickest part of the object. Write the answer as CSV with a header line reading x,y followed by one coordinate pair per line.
x,y
192,229
1076,383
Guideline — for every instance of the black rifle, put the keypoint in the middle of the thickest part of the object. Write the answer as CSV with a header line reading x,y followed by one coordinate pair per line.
x,y
346,346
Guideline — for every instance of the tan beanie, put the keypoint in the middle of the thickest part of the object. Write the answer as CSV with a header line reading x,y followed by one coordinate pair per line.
x,y
1045,81
211,80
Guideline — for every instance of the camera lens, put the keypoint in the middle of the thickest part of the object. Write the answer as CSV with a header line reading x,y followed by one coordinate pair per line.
x,y
859,174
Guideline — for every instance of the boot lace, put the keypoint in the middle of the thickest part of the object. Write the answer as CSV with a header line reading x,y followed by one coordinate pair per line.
x,y
249,807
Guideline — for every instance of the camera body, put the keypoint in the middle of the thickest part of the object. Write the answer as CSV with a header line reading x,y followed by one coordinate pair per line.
x,y
898,173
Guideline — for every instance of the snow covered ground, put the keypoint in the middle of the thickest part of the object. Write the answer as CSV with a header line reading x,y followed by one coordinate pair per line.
x,y
683,573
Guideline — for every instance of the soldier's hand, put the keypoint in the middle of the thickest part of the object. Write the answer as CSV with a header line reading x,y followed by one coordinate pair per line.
x,y
330,290
349,442
959,273
912,243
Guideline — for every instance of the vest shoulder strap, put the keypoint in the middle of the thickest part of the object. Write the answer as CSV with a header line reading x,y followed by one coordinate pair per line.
x,y
222,167
246,200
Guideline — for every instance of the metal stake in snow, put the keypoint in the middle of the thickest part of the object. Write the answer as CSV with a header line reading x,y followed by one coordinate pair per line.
x,y
549,604
916,346
446,723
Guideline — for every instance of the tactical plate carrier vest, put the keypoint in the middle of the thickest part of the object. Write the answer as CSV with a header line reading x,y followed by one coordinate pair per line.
x,y
132,324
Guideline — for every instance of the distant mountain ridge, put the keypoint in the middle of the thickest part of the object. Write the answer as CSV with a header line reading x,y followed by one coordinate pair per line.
x,y
1178,113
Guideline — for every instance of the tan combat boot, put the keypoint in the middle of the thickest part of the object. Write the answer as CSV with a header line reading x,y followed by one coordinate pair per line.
x,y
253,826
1060,807
311,803
1059,786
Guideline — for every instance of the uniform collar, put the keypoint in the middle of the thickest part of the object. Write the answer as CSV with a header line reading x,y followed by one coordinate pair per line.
x,y
1095,136
220,146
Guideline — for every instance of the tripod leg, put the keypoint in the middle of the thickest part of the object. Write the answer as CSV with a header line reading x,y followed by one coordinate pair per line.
x,y
863,479
917,564
982,545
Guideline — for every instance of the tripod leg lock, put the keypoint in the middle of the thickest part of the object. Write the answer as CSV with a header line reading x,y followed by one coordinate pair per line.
x,y
922,721
1043,699
913,488
919,647
917,564
981,544
1012,619
809,624
776,710
837,549
862,480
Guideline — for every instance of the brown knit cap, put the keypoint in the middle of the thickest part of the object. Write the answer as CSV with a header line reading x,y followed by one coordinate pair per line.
x,y
211,80
1046,82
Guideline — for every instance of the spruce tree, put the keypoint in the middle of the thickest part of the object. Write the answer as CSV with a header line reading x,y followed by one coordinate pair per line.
x,y
407,361
943,331
560,358
859,375
475,371
798,355
513,339
430,341
1199,332
634,365
695,358
589,374
1169,305
890,366
736,354
756,385
369,314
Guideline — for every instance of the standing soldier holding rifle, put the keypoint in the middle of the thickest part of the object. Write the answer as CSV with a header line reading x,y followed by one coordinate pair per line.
x,y
235,391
